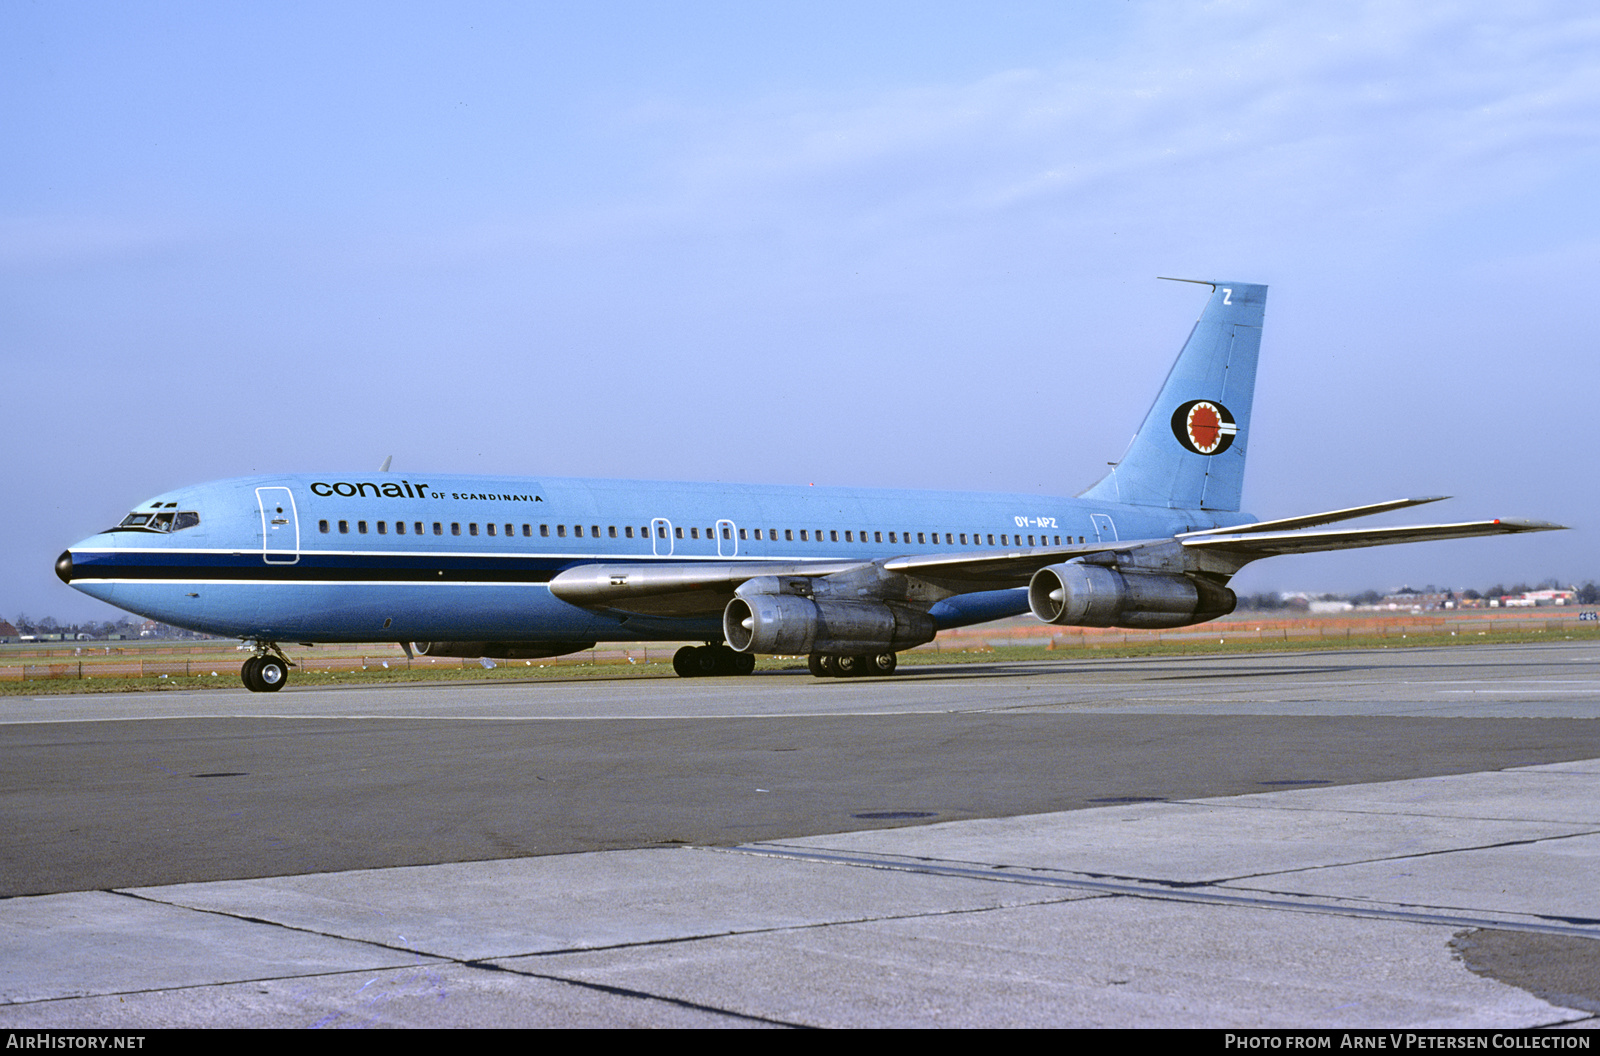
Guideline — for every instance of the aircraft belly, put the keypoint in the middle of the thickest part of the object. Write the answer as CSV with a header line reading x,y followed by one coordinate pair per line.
x,y
334,612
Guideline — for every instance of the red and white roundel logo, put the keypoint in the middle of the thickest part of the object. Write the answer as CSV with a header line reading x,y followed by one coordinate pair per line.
x,y
1204,427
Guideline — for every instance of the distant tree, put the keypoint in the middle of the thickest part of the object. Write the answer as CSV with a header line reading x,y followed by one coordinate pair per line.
x,y
1589,594
1367,597
1471,595
1496,591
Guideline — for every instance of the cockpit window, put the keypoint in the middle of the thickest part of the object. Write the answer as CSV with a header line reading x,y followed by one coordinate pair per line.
x,y
158,522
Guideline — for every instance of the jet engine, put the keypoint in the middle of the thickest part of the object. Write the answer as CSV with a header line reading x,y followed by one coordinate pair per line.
x,y
1078,595
499,650
794,624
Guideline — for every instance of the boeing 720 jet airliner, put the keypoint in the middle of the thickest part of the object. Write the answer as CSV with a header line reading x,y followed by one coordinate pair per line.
x,y
522,568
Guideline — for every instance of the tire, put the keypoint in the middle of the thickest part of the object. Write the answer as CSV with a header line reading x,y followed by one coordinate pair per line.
x,y
683,662
247,673
707,660
271,674
824,665
852,666
882,663
741,663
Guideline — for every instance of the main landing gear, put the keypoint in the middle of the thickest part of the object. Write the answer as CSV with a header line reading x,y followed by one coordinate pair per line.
x,y
267,671
852,666
693,661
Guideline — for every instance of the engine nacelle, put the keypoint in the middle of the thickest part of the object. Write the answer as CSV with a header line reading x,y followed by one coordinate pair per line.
x,y
1077,595
794,624
499,650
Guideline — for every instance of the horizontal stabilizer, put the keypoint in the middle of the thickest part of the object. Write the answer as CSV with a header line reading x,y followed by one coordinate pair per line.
x,y
1311,520
1252,545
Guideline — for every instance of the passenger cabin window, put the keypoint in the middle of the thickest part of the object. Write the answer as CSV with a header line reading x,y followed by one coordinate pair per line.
x,y
361,526
344,527
491,529
383,527
455,527
322,526
561,531
399,527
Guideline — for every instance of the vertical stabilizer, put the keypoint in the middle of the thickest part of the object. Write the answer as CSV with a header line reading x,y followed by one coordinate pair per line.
x,y
1189,453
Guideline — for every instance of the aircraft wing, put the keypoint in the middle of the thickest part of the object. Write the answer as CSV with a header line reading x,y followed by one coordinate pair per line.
x,y
705,588
700,588
1001,569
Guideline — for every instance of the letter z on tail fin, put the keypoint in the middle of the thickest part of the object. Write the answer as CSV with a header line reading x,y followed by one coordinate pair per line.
x,y
1189,453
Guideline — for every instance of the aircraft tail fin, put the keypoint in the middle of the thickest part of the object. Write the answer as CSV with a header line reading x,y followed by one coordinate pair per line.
x,y
1190,451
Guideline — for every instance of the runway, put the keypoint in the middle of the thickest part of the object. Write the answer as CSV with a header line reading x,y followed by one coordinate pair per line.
x,y
1266,839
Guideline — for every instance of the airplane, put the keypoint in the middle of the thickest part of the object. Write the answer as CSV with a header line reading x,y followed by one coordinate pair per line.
x,y
522,568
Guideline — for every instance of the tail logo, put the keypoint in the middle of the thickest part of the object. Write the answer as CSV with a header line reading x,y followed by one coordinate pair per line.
x,y
1204,427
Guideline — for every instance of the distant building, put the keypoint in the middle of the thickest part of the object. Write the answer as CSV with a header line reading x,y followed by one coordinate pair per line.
x,y
1417,601
1529,599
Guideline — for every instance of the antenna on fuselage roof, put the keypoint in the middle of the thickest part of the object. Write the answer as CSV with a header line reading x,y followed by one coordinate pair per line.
x,y
385,467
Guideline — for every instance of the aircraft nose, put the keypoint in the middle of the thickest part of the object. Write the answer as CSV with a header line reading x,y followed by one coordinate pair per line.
x,y
64,566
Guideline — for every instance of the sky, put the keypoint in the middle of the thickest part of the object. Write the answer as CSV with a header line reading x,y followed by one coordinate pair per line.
x,y
907,244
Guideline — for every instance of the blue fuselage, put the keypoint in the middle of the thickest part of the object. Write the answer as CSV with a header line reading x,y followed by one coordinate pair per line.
x,y
424,557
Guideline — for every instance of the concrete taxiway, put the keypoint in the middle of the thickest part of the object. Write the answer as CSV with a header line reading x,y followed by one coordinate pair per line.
x,y
1392,838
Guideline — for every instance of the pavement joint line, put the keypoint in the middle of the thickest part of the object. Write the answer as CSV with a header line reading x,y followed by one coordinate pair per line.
x,y
666,941
620,991
280,924
225,982
1404,857
425,958
1165,891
